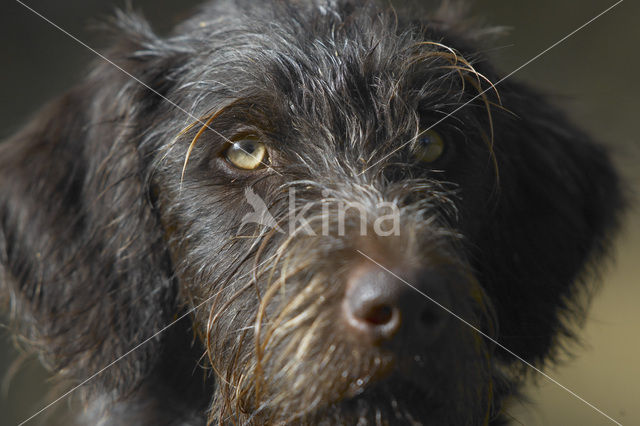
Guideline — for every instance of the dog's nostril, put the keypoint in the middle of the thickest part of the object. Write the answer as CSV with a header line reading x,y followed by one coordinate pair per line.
x,y
374,318
379,315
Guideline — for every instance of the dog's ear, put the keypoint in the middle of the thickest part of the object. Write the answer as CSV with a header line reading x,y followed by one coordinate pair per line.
x,y
82,255
559,201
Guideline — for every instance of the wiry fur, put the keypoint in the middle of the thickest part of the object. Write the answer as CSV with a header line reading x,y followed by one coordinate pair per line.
x,y
107,234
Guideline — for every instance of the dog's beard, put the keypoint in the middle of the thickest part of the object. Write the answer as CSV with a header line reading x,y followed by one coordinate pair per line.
x,y
305,367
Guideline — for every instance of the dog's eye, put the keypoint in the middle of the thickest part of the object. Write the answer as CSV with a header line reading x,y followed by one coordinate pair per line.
x,y
247,154
430,147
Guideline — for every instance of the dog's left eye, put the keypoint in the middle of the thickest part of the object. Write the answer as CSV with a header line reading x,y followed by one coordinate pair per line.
x,y
247,154
430,147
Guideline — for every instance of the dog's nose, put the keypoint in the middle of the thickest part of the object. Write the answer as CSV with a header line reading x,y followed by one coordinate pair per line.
x,y
378,303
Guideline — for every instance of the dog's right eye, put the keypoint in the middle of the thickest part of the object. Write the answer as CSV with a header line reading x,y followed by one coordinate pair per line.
x,y
246,154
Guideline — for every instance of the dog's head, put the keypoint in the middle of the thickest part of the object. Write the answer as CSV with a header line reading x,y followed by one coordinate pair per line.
x,y
353,213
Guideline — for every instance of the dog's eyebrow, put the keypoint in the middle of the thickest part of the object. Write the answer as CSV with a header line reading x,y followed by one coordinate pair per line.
x,y
206,122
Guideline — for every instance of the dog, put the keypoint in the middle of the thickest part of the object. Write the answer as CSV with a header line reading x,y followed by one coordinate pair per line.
x,y
301,212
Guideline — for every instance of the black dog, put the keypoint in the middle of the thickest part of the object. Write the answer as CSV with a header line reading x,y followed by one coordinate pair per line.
x,y
287,172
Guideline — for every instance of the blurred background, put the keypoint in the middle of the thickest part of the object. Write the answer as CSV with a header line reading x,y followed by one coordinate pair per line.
x,y
593,75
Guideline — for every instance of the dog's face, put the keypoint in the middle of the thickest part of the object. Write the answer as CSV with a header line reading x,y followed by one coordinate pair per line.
x,y
353,213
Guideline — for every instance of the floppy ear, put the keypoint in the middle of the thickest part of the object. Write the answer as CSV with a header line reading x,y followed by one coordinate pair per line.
x,y
559,201
82,255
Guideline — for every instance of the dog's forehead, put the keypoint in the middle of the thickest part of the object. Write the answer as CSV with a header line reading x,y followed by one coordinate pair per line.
x,y
332,67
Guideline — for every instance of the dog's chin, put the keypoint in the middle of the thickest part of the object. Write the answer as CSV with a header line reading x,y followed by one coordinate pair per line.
x,y
394,401
399,395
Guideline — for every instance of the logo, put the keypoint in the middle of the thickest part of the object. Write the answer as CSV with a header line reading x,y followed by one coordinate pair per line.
x,y
385,215
260,214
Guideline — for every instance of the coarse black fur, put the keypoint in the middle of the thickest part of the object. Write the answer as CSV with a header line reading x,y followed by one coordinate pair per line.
x,y
119,213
